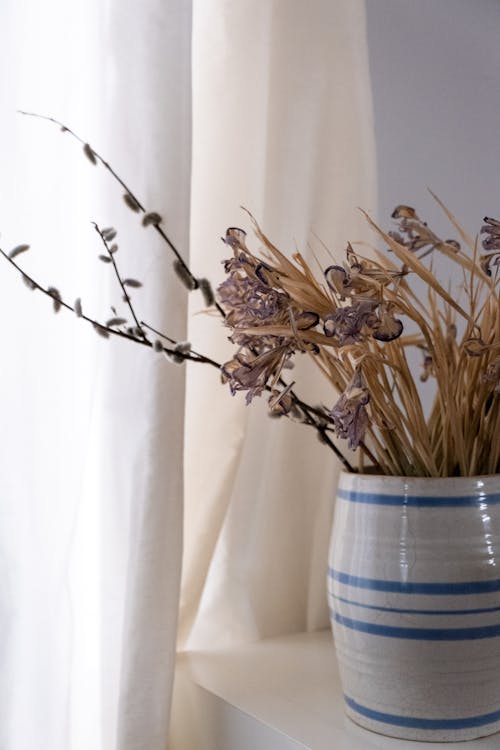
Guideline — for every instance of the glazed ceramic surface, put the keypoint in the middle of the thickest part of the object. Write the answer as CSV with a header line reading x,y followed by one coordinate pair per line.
x,y
414,596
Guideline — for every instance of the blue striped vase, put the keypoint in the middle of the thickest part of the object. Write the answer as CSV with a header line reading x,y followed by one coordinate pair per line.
x,y
414,596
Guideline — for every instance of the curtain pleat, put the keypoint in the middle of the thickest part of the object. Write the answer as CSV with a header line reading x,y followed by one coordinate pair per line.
x,y
282,125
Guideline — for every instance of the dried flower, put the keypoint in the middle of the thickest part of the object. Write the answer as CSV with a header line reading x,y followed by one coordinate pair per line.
x,y
491,244
349,415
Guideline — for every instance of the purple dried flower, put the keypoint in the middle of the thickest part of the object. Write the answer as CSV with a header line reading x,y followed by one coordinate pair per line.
x,y
251,373
350,324
349,415
491,244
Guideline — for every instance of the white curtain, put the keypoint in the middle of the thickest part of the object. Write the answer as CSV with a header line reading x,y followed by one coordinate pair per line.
x,y
201,106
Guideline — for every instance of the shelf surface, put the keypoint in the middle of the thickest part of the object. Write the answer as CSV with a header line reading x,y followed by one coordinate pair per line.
x,y
278,694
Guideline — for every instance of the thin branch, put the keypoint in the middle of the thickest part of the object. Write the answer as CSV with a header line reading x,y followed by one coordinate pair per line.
x,y
103,327
126,297
123,184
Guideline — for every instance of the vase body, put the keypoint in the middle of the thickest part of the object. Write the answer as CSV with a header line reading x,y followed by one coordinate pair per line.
x,y
414,597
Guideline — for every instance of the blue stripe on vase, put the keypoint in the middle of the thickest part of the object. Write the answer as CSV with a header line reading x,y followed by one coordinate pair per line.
x,y
418,501
480,611
419,634
412,722
413,587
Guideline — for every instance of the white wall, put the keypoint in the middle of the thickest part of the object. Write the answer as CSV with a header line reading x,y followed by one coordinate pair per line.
x,y
435,67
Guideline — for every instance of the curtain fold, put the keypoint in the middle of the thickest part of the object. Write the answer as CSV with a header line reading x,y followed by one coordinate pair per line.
x,y
282,124
202,107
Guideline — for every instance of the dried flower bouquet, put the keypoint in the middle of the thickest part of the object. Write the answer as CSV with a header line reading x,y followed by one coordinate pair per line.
x,y
358,322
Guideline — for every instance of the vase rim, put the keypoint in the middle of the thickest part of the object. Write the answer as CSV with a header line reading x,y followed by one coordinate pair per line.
x,y
404,486
403,478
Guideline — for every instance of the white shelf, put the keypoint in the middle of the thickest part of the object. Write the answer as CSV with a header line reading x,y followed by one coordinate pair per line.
x,y
278,694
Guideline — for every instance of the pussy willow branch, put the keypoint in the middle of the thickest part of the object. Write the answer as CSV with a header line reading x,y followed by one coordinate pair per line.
x,y
190,356
312,416
126,297
64,128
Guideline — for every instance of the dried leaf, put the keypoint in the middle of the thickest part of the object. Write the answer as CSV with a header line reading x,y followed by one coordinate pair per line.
x,y
78,307
89,153
131,202
151,218
18,250
132,283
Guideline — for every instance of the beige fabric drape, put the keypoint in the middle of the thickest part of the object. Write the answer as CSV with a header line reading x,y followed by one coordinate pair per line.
x,y
282,124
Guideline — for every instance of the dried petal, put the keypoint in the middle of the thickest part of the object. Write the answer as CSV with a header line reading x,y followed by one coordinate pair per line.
x,y
404,212
388,328
337,279
235,237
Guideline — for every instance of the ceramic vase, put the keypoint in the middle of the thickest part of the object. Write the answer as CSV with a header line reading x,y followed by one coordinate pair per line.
x,y
414,596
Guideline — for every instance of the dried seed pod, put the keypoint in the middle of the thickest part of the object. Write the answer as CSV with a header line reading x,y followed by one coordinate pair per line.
x,y
157,345
105,258
131,202
78,307
18,250
56,297
151,218
100,330
109,233
207,292
184,275
89,153
133,283
29,282
183,347
115,322
113,249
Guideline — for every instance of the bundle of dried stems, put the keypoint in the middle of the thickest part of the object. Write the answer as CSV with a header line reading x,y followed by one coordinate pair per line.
x,y
358,323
